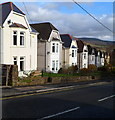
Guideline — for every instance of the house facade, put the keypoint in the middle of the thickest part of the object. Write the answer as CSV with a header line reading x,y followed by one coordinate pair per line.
x,y
69,51
82,55
18,40
49,47
102,58
98,58
91,55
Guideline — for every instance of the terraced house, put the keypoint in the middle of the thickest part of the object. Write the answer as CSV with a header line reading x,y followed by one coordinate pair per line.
x,y
49,47
69,50
91,55
82,54
18,40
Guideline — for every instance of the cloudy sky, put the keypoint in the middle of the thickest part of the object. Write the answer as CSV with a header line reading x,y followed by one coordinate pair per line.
x,y
69,18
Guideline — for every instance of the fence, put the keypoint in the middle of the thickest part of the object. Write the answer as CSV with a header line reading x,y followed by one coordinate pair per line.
x,y
8,74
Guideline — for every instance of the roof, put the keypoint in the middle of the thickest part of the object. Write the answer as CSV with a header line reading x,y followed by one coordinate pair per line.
x,y
89,49
44,29
6,8
66,39
33,30
80,45
96,52
18,25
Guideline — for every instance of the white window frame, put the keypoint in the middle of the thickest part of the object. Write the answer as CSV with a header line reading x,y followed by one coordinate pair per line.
x,y
53,65
57,63
84,56
53,48
22,60
15,34
57,47
73,54
22,38
15,60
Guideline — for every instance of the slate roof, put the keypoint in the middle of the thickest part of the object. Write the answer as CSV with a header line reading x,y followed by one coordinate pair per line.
x,y
96,52
33,30
66,39
6,8
80,45
44,29
89,49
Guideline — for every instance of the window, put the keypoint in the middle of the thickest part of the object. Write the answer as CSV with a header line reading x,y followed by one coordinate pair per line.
x,y
15,60
84,65
53,65
15,38
21,63
53,47
72,53
56,65
57,48
92,58
75,53
21,38
84,55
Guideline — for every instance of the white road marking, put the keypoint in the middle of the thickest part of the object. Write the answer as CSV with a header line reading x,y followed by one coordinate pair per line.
x,y
106,98
60,113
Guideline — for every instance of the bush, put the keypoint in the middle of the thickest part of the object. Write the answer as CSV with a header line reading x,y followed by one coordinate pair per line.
x,y
103,68
69,70
84,70
92,68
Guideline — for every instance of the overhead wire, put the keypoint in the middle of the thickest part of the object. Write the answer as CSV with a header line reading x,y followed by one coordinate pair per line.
x,y
93,16
27,12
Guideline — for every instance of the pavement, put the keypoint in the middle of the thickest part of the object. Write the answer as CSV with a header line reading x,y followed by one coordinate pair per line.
x,y
8,91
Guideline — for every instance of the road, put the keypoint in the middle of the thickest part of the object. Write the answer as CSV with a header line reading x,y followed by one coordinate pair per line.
x,y
87,102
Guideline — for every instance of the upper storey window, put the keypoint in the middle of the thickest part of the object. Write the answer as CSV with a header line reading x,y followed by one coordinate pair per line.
x,y
22,38
15,38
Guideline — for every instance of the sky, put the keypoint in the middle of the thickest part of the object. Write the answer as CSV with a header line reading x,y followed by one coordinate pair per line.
x,y
69,18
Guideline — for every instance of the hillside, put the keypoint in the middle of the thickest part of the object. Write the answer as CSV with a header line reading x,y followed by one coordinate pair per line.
x,y
99,44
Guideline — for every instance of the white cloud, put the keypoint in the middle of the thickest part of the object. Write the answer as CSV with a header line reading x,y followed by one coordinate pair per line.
x,y
75,24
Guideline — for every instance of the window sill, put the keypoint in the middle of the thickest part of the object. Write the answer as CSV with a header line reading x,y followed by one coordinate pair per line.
x,y
18,46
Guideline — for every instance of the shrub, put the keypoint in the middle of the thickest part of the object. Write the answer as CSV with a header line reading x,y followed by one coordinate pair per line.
x,y
69,70
103,68
84,70
92,68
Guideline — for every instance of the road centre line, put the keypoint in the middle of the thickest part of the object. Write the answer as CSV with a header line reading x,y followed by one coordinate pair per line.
x,y
106,98
60,113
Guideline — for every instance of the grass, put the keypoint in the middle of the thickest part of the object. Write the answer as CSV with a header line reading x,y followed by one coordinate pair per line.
x,y
74,74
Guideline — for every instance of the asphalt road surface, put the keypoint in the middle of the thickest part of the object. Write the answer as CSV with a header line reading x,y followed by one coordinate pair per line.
x,y
88,102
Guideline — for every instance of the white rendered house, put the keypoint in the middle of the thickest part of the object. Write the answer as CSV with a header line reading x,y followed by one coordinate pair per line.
x,y
102,58
82,55
18,40
91,55
69,53
49,47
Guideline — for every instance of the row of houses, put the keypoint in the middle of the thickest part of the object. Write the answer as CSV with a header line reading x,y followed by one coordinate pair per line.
x,y
40,46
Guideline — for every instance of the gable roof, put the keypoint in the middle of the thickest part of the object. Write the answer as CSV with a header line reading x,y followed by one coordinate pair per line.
x,y
44,29
96,51
89,49
66,39
6,8
80,45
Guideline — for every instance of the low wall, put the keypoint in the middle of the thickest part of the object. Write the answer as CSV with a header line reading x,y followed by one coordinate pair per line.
x,y
53,80
8,74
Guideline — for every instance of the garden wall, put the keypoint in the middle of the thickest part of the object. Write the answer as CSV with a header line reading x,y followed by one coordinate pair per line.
x,y
53,80
8,74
